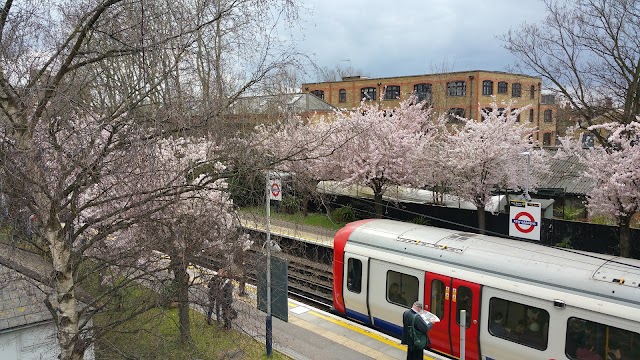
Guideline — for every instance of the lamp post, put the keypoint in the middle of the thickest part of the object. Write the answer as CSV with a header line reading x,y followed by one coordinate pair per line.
x,y
526,189
268,318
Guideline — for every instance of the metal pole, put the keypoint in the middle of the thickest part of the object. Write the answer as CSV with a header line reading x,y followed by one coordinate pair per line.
x,y
269,323
528,174
526,189
463,328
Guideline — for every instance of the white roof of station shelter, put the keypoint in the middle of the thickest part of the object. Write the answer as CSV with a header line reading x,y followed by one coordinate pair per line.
x,y
410,195
418,196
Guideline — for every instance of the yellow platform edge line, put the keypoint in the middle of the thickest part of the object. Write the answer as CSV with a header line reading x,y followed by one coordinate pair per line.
x,y
358,330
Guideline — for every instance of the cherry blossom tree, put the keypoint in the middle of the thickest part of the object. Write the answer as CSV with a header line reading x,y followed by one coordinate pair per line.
x,y
380,147
191,224
614,169
485,156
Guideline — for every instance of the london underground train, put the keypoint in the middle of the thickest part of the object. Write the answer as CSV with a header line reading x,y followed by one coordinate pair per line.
x,y
522,300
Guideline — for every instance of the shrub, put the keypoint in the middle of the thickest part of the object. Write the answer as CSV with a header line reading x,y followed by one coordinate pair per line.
x,y
345,214
420,220
291,204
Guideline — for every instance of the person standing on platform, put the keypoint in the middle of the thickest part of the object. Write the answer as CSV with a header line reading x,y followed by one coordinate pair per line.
x,y
215,299
226,287
412,318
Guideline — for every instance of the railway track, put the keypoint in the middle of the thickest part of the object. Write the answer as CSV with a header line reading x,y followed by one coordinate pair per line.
x,y
309,282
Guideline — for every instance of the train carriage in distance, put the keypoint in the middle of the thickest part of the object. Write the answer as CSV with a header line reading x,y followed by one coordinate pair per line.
x,y
522,300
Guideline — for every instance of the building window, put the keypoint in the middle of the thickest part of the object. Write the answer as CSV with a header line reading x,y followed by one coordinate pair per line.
x,y
502,87
423,92
456,88
517,116
599,340
516,90
402,289
354,275
548,116
342,95
527,325
453,114
392,92
368,93
548,99
487,87
530,115
532,92
546,139
318,93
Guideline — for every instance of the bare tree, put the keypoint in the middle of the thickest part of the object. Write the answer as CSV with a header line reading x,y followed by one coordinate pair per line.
x,y
339,72
588,51
87,89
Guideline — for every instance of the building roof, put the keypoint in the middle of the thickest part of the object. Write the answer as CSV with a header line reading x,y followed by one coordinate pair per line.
x,y
285,103
567,174
359,78
24,284
21,297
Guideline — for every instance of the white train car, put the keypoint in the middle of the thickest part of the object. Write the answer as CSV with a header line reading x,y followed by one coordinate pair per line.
x,y
523,300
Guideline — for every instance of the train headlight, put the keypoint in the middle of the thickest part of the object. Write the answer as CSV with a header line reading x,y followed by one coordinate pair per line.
x,y
559,304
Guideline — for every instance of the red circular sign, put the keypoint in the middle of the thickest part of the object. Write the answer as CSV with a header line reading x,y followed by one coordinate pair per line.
x,y
531,223
275,189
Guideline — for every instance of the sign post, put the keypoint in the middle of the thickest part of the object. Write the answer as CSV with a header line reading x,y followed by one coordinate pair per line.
x,y
274,191
524,219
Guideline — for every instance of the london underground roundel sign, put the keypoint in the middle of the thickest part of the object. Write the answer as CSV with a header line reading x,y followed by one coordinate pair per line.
x,y
524,220
275,187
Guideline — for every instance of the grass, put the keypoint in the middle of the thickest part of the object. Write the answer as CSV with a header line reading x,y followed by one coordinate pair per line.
x,y
155,335
312,219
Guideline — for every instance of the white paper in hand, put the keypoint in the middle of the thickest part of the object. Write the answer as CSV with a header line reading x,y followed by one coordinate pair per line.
x,y
429,317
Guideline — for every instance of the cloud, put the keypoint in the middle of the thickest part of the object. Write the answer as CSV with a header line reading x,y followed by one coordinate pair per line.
x,y
386,38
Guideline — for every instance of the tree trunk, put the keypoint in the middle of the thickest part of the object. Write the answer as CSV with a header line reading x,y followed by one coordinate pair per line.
x,y
64,303
181,278
625,236
481,219
377,197
305,204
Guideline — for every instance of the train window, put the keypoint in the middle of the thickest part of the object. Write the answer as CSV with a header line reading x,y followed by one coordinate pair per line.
x,y
437,298
591,340
520,323
463,302
354,275
402,289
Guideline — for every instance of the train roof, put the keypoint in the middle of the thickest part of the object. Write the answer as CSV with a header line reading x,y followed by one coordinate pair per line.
x,y
603,276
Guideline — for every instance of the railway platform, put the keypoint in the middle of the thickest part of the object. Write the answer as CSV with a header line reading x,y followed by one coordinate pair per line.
x,y
312,334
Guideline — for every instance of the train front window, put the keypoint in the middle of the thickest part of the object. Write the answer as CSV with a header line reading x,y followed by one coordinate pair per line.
x,y
354,275
590,340
520,323
402,289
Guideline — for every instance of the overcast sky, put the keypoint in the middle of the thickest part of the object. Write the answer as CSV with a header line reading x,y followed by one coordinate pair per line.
x,y
410,37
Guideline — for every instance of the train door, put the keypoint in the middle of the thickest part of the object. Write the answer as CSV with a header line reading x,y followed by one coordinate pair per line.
x,y
445,297
354,287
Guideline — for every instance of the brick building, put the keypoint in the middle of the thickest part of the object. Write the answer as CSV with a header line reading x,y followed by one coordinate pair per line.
x,y
461,93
